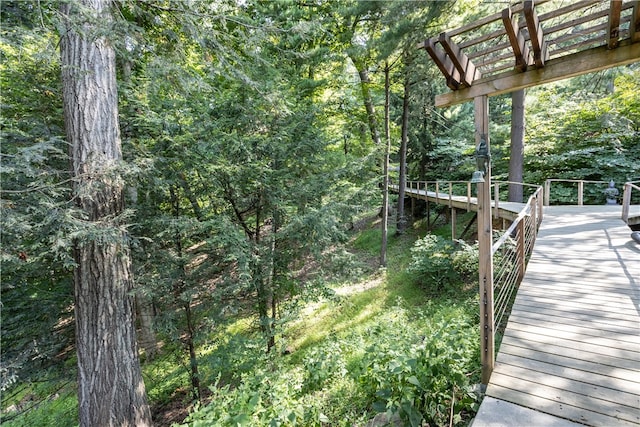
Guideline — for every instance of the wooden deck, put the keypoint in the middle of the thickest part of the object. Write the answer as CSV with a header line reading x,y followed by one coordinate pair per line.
x,y
572,344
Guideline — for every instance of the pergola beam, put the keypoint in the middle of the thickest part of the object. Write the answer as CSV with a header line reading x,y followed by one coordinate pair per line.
x,y
614,23
516,39
444,63
536,34
600,58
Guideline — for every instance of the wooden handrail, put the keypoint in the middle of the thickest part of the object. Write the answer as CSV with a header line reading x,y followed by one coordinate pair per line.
x,y
531,209
580,182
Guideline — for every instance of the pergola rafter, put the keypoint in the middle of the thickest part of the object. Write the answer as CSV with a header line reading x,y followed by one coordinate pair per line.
x,y
527,38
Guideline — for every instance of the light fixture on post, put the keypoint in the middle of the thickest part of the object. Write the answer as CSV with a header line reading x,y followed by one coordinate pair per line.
x,y
477,177
482,161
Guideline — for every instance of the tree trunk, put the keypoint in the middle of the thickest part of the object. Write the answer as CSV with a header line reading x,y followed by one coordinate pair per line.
x,y
193,358
365,87
179,288
147,339
385,163
516,159
401,218
111,391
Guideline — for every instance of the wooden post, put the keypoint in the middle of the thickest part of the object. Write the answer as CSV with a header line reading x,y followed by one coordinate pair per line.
x,y
547,191
626,202
536,222
580,192
520,245
496,199
413,208
539,200
453,223
468,196
485,241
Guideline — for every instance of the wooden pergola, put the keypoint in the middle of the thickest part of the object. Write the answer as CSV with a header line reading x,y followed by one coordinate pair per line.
x,y
525,45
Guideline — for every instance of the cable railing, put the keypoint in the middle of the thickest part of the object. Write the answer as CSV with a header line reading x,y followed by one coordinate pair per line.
x,y
455,192
572,192
511,250
510,254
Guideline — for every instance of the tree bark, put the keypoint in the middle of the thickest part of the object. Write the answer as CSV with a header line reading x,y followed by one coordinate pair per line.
x,y
365,87
401,219
111,390
147,339
516,159
385,163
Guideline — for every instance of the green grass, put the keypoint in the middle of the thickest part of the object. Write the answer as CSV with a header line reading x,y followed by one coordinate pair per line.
x,y
51,402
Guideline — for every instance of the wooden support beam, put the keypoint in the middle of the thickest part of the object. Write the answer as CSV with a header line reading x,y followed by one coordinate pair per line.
x,y
516,38
444,63
613,34
634,25
454,220
485,242
587,61
536,34
466,69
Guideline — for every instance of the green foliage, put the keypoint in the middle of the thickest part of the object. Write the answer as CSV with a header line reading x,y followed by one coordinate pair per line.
x,y
442,264
419,372
248,153
585,135
42,404
407,361
38,220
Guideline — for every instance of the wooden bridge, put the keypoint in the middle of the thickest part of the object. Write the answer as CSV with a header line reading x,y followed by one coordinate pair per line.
x,y
570,352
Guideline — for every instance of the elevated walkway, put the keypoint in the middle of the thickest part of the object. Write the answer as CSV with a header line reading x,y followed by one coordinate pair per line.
x,y
570,354
505,210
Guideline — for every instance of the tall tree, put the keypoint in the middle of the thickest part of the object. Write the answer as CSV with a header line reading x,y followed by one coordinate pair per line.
x,y
111,391
516,157
385,168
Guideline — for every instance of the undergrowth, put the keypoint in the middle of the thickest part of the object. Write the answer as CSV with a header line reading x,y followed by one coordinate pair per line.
x,y
382,341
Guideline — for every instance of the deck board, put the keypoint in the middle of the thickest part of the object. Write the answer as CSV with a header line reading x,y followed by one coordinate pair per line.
x,y
571,347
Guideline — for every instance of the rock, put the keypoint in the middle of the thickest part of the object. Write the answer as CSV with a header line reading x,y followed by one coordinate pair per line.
x,y
386,420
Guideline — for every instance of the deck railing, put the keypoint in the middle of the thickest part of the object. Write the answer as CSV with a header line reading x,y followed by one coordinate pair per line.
x,y
626,198
579,192
512,248
447,190
511,252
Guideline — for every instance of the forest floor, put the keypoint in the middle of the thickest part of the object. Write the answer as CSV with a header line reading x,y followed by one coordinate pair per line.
x,y
374,308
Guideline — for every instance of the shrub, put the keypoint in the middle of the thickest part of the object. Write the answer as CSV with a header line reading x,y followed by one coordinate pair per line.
x,y
443,263
420,377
